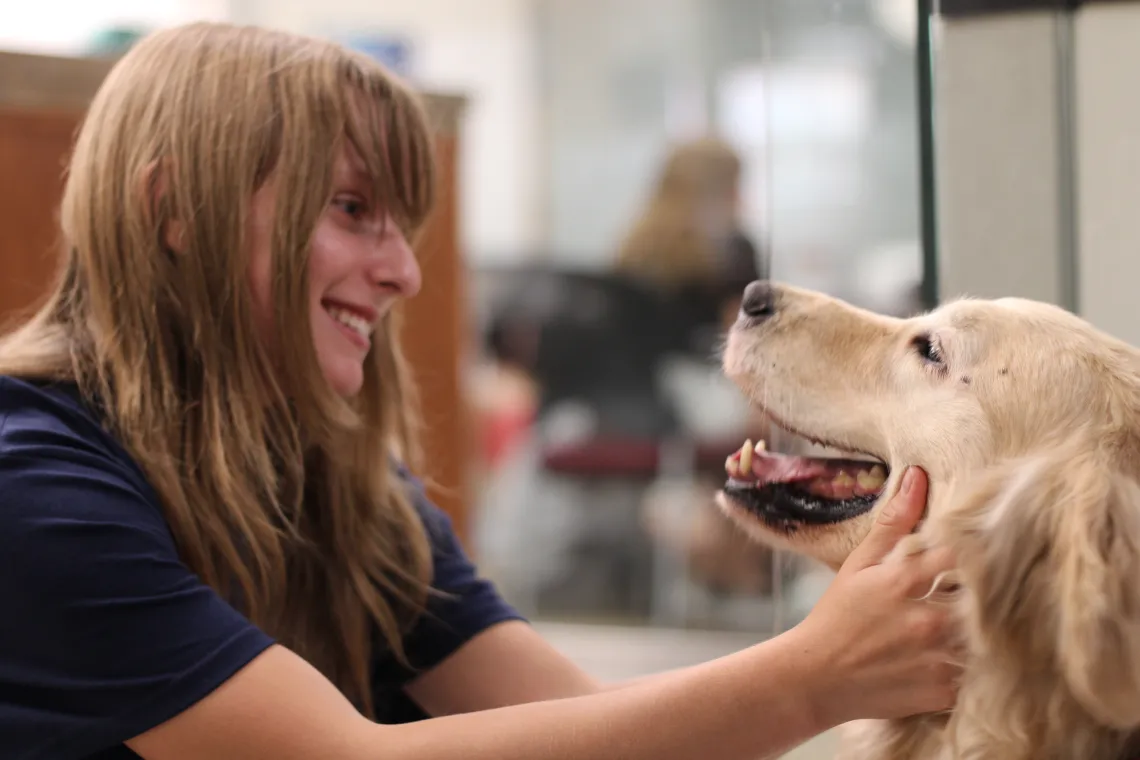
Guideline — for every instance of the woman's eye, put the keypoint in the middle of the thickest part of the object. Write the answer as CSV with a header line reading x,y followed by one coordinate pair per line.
x,y
927,348
354,207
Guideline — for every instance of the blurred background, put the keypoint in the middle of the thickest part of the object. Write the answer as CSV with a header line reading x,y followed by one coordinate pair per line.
x,y
615,171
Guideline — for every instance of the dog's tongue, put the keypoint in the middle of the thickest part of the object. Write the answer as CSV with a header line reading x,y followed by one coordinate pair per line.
x,y
755,466
755,463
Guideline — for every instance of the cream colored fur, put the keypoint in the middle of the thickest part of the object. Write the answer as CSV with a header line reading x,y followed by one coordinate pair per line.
x,y
1030,434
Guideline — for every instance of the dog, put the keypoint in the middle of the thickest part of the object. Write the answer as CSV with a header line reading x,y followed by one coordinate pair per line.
x,y
1026,420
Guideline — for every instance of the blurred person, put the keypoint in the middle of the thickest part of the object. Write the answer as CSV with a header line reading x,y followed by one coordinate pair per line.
x,y
689,243
212,542
688,239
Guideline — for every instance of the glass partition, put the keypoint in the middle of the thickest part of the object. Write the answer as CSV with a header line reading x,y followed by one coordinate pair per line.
x,y
598,503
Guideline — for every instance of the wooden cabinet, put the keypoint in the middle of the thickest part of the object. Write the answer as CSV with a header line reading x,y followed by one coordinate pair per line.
x,y
436,331
42,100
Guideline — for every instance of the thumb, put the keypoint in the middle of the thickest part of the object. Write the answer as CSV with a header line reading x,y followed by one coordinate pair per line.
x,y
896,518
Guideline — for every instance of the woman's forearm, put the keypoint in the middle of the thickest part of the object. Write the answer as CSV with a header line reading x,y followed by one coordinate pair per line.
x,y
871,648
714,707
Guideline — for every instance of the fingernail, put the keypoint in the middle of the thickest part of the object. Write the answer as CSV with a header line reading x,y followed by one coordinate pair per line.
x,y
908,481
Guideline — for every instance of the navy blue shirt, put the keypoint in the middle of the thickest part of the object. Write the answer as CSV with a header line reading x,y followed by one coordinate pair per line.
x,y
104,632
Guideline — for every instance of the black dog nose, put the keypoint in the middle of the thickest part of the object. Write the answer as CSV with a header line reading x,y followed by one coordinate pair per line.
x,y
757,303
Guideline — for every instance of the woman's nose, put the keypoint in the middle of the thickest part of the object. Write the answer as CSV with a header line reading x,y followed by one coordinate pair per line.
x,y
396,266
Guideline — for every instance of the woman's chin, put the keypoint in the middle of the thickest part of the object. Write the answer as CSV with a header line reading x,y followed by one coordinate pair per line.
x,y
345,376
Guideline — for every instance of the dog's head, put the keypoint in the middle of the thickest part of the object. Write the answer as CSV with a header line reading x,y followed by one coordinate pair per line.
x,y
1027,421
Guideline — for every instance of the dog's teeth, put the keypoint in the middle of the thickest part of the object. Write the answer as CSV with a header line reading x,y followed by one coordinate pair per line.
x,y
871,480
746,456
731,467
761,445
843,480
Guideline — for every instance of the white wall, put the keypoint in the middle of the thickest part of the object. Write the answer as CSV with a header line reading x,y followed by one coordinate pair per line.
x,y
66,27
998,143
1107,129
1006,119
484,49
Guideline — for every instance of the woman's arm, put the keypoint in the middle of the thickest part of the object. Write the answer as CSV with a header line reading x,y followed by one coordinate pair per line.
x,y
280,707
869,649
508,664
473,679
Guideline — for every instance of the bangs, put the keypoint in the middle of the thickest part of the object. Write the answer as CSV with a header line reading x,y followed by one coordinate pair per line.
x,y
387,126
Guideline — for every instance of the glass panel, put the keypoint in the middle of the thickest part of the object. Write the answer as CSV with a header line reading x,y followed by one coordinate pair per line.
x,y
601,506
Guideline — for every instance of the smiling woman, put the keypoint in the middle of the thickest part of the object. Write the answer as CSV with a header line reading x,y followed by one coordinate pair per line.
x,y
360,266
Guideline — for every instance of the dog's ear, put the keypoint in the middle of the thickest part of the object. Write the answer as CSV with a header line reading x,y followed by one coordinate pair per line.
x,y
1049,555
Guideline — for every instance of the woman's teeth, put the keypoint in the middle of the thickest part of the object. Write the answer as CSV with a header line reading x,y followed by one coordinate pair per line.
x,y
350,320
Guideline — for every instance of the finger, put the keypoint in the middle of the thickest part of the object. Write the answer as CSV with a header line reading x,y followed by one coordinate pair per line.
x,y
956,651
938,631
895,519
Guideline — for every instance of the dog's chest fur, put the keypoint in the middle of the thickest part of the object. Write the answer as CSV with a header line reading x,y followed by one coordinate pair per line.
x,y
926,738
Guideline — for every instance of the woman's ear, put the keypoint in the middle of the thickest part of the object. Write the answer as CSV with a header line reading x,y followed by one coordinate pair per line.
x,y
160,206
1049,553
174,235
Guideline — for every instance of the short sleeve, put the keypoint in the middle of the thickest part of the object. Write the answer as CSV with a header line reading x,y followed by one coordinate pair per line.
x,y
104,632
465,604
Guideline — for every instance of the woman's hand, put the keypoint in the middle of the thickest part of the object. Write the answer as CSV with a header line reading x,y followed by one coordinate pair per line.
x,y
880,648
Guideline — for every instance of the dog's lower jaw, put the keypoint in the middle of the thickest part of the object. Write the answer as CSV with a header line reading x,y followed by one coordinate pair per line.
x,y
824,544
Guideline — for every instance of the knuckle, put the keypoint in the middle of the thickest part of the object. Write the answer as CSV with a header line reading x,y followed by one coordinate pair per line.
x,y
911,545
905,578
944,558
944,673
927,626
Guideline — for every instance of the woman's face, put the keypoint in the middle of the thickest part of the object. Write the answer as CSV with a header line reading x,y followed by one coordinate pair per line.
x,y
360,265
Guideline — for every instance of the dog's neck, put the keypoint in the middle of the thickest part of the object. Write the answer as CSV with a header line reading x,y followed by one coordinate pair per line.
x,y
952,737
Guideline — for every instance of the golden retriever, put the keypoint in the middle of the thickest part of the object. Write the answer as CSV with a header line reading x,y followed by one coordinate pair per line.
x,y
1027,421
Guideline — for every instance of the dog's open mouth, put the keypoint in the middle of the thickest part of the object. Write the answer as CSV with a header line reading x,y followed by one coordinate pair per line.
x,y
787,491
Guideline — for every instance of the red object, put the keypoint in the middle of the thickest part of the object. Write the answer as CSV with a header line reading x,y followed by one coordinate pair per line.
x,y
500,431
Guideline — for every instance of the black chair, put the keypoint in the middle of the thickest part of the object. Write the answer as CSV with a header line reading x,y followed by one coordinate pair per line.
x,y
603,348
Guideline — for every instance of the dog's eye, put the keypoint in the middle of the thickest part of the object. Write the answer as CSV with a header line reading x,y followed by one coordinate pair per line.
x,y
926,346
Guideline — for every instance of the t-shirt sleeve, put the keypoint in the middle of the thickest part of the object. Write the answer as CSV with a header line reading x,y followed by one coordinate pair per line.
x,y
462,605
104,632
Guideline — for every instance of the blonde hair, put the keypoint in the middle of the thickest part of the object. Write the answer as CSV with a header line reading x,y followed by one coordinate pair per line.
x,y
670,243
279,493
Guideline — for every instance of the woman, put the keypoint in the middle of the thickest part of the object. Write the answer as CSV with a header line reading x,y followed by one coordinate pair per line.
x,y
206,552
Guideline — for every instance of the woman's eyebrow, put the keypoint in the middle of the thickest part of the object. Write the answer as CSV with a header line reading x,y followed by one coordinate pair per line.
x,y
353,174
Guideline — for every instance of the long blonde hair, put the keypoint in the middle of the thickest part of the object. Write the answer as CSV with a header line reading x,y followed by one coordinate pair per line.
x,y
279,493
672,243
